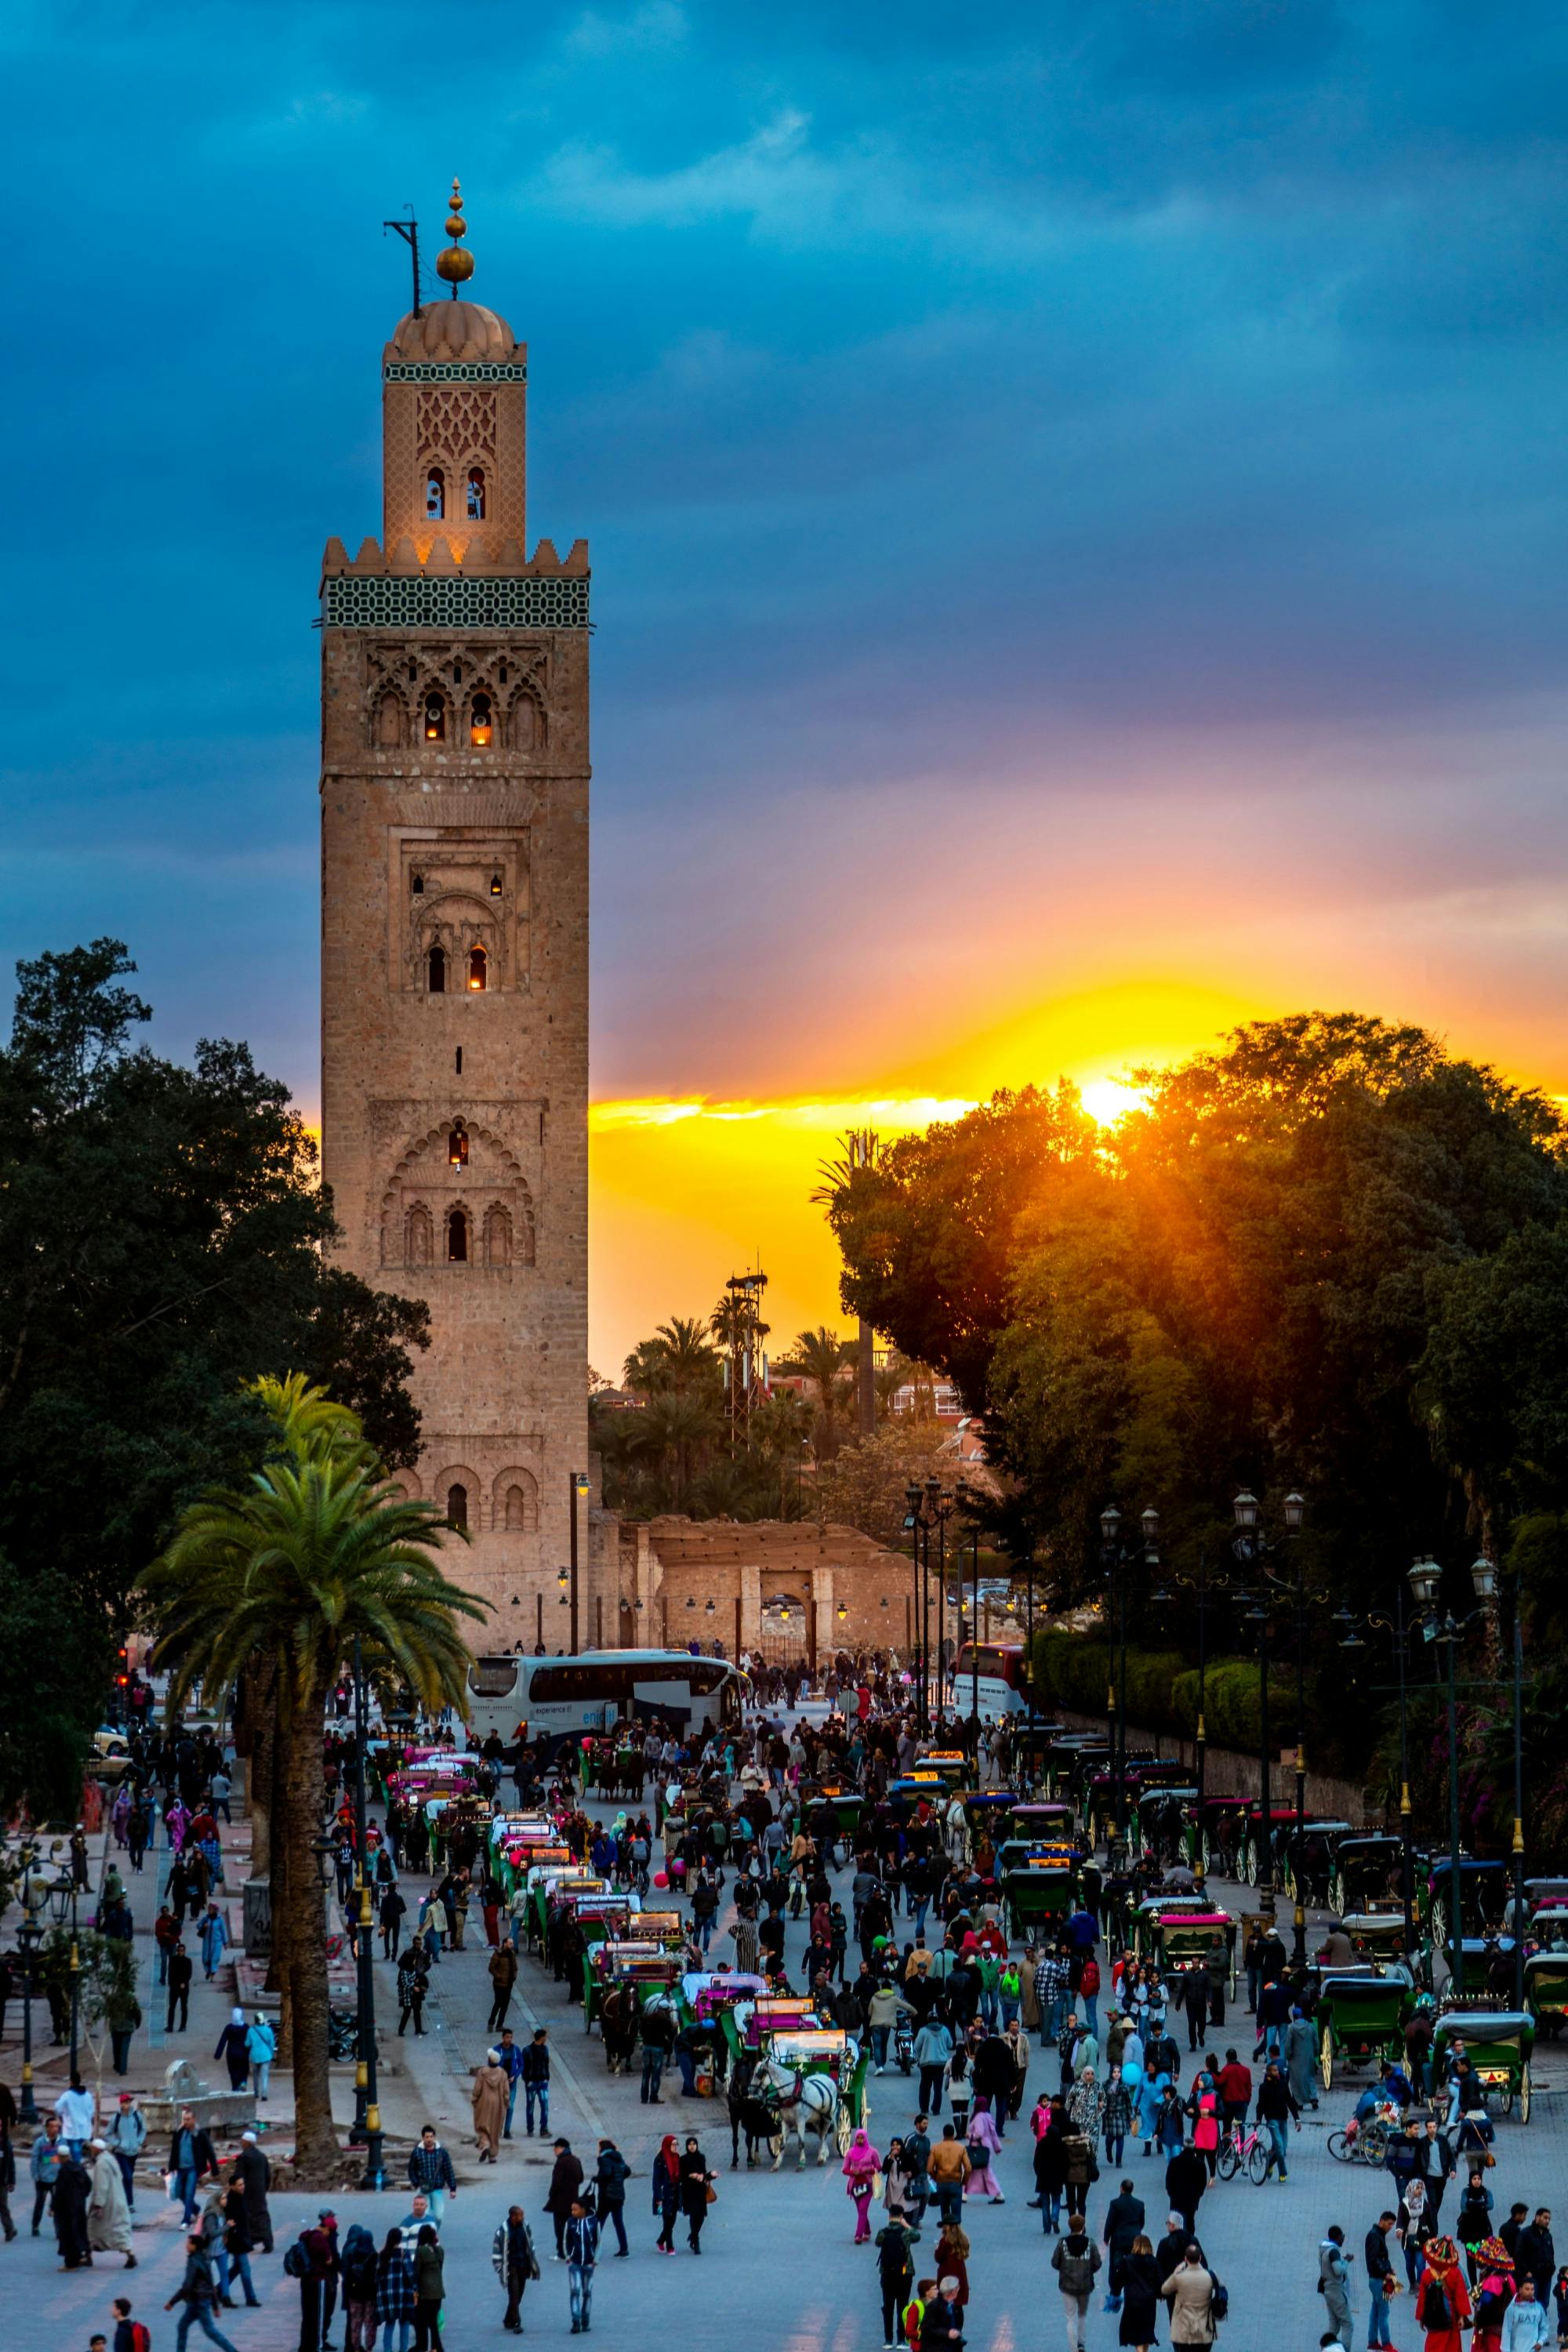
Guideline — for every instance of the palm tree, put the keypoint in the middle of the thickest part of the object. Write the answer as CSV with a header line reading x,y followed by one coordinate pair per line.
x,y
680,1426
820,1355
319,1551
859,1149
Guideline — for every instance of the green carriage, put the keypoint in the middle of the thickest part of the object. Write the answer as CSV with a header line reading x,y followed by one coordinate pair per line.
x,y
1499,2043
826,2051
1041,1821
1376,1937
1144,1933
1181,1940
848,1803
1367,1873
1361,2016
1039,1885
1546,1989
1157,1821
1212,1832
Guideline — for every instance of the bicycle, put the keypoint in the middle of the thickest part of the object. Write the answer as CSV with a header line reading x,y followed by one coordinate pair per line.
x,y
1360,2143
1247,2152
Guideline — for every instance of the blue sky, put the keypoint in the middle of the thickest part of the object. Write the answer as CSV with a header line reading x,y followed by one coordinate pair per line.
x,y
1076,495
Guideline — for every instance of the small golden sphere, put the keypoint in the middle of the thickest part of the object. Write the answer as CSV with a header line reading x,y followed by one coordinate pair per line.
x,y
456,224
454,264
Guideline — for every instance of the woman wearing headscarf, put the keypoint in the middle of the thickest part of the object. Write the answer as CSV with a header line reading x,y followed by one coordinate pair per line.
x,y
1414,2227
107,2214
234,2048
860,2166
489,2097
696,2182
667,2192
983,2143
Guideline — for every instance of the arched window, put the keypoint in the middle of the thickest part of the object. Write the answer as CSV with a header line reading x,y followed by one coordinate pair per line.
x,y
481,723
389,722
476,494
456,1237
434,496
523,722
457,1146
418,1235
436,970
435,719
495,885
417,885
478,963
498,1236
458,1506
522,1509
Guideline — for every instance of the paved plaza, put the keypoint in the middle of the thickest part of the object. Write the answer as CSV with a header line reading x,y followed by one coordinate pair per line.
x,y
778,2268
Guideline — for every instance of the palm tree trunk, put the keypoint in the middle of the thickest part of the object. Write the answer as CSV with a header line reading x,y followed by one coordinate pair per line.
x,y
260,1717
866,1380
300,1931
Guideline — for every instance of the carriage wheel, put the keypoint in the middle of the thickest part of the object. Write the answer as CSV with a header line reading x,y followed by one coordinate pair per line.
x,y
843,2127
1326,2063
1524,2095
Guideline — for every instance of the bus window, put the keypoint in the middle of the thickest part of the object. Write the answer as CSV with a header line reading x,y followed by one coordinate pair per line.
x,y
494,1677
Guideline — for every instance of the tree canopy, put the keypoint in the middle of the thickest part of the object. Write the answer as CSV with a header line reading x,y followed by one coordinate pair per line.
x,y
162,1241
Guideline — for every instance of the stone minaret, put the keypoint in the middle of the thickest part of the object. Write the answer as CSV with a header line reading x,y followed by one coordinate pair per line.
x,y
455,944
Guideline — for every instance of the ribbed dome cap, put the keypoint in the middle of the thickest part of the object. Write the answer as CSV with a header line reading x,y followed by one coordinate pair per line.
x,y
453,331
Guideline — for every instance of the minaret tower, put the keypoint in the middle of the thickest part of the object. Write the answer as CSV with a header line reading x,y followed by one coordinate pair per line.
x,y
455,941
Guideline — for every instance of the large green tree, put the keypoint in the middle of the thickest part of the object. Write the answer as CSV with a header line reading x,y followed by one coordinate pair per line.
x,y
317,1552
163,1239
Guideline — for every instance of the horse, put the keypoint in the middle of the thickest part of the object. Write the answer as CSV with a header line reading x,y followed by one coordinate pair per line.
x,y
751,2117
801,2103
618,2025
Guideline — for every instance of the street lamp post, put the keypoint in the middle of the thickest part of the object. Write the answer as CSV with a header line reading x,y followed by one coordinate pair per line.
x,y
30,1935
1253,1548
918,1526
1349,1640
367,2118
1118,1554
939,1507
63,1897
1440,1625
1518,1803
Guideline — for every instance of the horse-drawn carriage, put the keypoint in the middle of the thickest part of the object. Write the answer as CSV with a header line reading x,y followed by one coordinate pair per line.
x,y
800,2079
1546,1987
1499,2042
1180,1939
1038,1883
1360,2015
1309,1858
1212,1832
1157,1819
1043,1820
1367,1873
1376,1937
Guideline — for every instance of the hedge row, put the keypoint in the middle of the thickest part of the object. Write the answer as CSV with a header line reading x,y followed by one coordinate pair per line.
x,y
1075,1669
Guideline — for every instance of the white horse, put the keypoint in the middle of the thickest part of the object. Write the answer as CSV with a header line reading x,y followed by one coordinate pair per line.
x,y
805,2104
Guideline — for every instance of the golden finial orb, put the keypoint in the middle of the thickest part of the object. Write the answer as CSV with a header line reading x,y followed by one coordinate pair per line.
x,y
453,263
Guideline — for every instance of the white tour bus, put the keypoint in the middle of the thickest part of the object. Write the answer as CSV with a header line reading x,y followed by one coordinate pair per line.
x,y
557,1698
1001,1689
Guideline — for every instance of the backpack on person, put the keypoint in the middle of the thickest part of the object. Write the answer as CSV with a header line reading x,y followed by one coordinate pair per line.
x,y
140,2336
296,2260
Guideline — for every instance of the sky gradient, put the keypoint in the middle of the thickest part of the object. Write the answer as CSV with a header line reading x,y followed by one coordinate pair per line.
x,y
1075,497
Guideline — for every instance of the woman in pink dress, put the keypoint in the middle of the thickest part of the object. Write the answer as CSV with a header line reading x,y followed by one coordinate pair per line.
x,y
984,2144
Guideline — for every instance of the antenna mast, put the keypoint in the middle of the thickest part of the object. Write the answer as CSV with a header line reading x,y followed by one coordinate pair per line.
x,y
408,230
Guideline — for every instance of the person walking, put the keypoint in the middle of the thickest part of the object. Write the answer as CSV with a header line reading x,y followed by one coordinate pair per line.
x,y
1381,2282
1140,2282
536,2081
1527,2323
238,2242
1124,2218
1076,2261
261,2042
860,2166
581,2255
667,2192
1536,2256
126,2135
487,2099
697,2191
234,2048
213,1937
108,2214
430,2171
256,2178
179,1983
1186,2178
44,2165
565,2184
1275,2106
1442,2298
895,2276
430,2289
610,2178
1189,2291
192,2159
517,2263
198,2292
504,1978
73,2187
1334,2283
